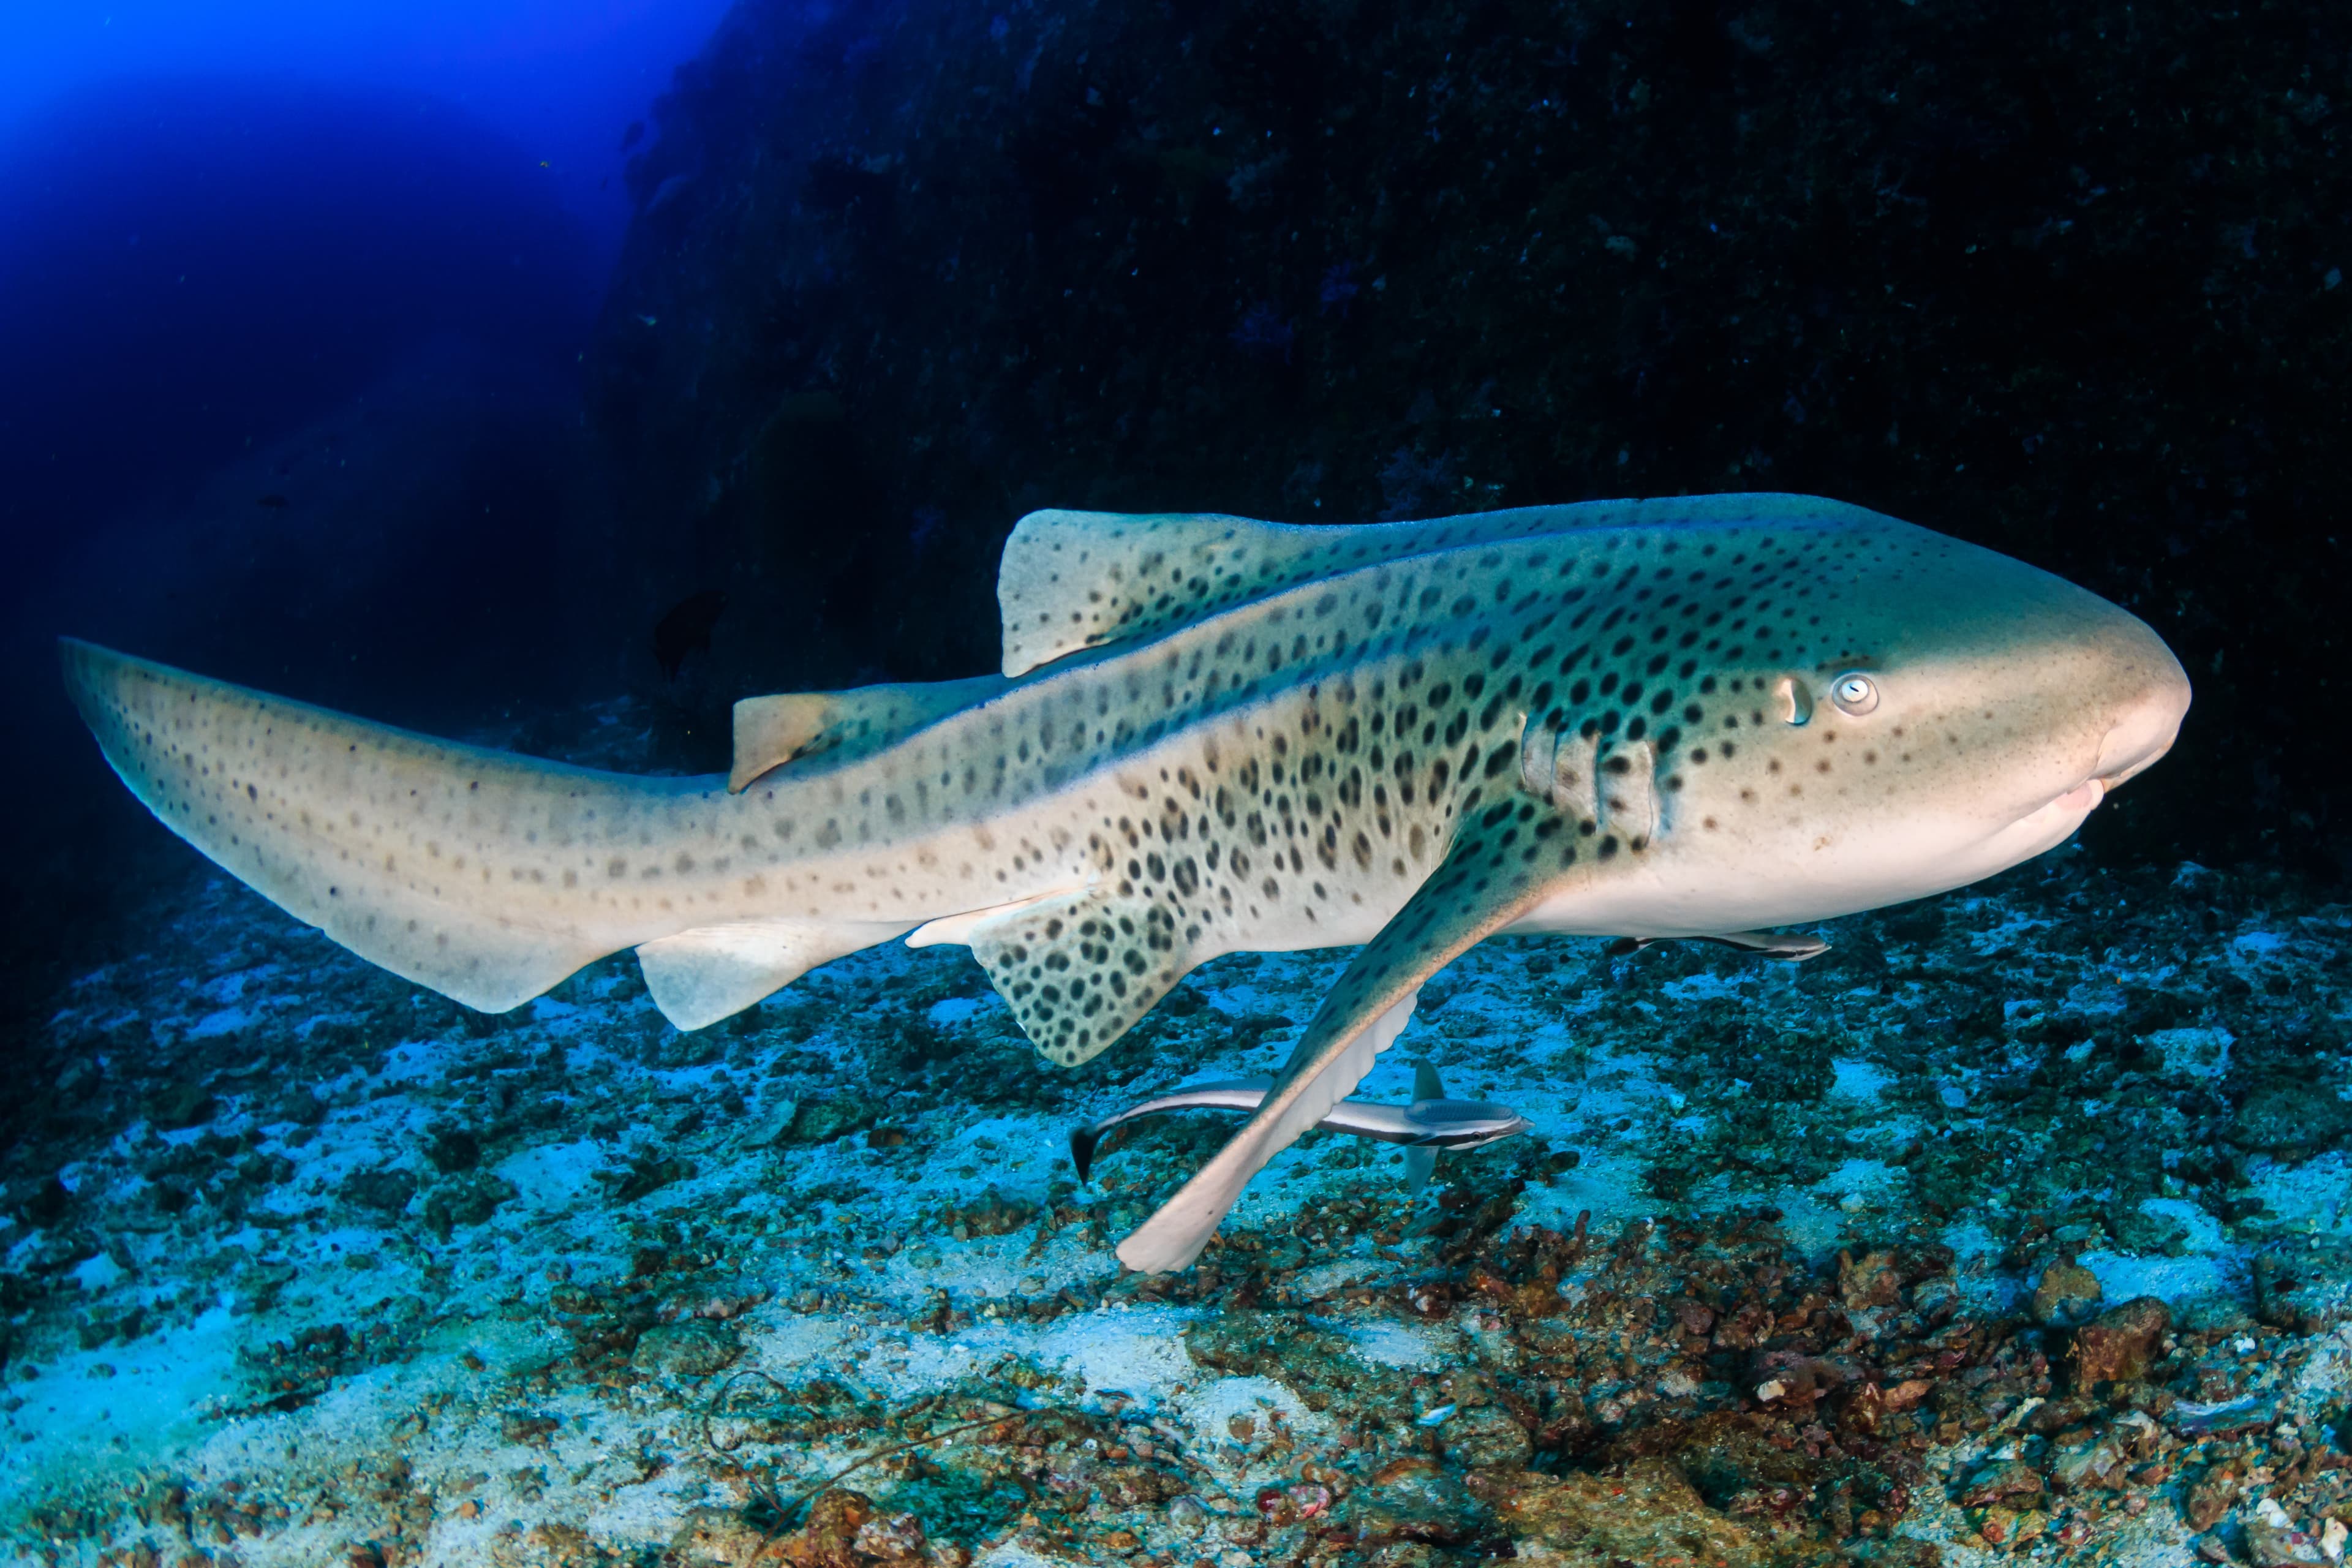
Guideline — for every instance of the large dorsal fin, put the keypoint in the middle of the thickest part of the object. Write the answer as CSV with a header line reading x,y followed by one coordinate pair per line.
x,y
772,731
1074,580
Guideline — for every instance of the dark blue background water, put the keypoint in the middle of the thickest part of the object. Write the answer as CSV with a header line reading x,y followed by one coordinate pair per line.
x,y
220,216
367,240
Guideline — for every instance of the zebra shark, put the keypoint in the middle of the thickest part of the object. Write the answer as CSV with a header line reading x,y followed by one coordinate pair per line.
x,y
1647,719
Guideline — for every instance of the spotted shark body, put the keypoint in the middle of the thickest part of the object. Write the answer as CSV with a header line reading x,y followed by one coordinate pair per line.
x,y
1653,719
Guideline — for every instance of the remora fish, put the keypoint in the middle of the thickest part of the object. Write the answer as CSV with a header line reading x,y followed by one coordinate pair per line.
x,y
1431,1123
1647,719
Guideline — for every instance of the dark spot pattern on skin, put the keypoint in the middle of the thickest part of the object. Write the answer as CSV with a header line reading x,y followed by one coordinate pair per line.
x,y
1288,774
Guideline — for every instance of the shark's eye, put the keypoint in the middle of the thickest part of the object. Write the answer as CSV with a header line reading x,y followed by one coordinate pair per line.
x,y
1796,700
1854,693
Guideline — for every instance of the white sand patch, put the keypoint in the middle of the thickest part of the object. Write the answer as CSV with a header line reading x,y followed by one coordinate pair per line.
x,y
1858,1080
2193,1052
2315,1194
554,1176
2123,1275
1387,1343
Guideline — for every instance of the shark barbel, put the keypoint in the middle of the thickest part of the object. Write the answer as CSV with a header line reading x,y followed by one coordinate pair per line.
x,y
1654,720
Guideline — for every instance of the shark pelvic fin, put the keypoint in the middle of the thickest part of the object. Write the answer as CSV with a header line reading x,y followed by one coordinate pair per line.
x,y
711,972
771,732
1079,969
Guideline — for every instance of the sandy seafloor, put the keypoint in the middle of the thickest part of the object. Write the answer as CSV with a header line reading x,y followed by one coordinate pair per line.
x,y
2015,1227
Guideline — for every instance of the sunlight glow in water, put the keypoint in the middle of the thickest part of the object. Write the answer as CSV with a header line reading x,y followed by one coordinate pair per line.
x,y
560,76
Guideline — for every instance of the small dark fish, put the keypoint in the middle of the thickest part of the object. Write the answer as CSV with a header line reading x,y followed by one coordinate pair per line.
x,y
633,135
274,501
1430,1123
687,630
1782,946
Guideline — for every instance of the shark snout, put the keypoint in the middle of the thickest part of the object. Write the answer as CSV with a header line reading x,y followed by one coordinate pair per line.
x,y
2114,707
2152,698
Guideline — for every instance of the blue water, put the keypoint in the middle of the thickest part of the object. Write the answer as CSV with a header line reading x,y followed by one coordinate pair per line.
x,y
346,257
221,216
560,79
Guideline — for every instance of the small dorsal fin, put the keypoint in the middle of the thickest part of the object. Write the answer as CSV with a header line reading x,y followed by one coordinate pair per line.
x,y
772,731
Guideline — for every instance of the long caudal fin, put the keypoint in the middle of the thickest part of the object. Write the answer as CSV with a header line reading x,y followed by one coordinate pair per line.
x,y
459,869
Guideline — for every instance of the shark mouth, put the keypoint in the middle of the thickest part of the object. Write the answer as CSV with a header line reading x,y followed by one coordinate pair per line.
x,y
2142,734
2082,798
2131,747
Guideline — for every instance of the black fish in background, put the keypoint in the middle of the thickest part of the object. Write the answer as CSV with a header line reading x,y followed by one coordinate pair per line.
x,y
686,629
274,501
633,135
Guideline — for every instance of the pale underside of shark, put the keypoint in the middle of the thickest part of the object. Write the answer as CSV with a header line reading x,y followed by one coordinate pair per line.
x,y
1654,720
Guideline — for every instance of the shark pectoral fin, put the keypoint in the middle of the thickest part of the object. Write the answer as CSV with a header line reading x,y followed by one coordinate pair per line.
x,y
772,731
1481,887
1305,1093
1078,970
711,972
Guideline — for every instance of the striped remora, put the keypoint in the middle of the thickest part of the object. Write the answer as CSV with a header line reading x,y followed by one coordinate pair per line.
x,y
1433,1123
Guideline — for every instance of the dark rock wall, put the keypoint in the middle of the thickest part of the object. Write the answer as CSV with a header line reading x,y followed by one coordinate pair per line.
x,y
2066,281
